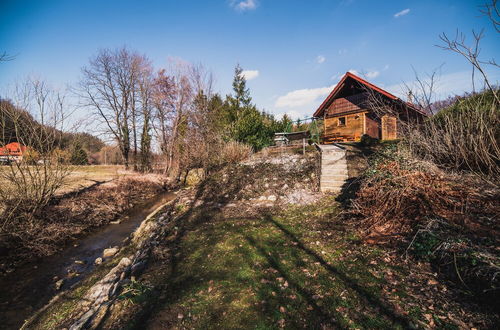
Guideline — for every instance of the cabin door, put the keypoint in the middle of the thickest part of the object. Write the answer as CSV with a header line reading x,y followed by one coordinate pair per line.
x,y
389,128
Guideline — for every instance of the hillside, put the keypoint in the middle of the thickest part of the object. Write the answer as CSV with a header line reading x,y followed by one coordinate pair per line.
x,y
255,245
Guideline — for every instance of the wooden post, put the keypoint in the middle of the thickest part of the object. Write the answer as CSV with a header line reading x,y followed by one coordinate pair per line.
x,y
303,146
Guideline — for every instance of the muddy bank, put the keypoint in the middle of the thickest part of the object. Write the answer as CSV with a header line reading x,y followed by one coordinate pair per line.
x,y
31,286
71,217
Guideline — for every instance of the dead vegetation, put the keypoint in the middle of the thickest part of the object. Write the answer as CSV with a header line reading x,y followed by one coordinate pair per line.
x,y
428,214
69,217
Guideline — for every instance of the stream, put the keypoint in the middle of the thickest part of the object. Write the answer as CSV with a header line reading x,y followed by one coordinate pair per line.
x,y
31,286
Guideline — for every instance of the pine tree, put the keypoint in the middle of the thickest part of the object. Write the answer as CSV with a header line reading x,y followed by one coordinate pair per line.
x,y
241,92
78,155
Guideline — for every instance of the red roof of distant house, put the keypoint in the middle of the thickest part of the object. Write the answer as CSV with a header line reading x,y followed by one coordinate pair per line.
x,y
12,149
340,84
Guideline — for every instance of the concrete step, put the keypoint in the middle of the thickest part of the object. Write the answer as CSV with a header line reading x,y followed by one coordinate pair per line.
x,y
335,171
330,189
339,178
332,183
333,163
333,156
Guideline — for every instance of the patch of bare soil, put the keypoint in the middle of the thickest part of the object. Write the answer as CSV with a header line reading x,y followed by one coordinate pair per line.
x,y
71,216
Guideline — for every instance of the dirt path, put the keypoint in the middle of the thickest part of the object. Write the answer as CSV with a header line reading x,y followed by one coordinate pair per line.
x,y
30,287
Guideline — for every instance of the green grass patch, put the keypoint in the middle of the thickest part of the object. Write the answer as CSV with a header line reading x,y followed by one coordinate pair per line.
x,y
285,269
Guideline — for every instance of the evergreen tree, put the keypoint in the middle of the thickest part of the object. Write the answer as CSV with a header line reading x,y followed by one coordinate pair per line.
x,y
78,155
242,97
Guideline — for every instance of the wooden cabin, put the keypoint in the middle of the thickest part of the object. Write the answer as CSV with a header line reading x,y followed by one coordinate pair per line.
x,y
356,107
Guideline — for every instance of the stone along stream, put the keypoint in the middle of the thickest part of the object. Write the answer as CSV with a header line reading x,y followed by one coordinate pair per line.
x,y
31,286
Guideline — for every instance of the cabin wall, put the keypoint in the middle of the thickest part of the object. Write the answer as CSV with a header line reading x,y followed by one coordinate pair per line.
x,y
351,131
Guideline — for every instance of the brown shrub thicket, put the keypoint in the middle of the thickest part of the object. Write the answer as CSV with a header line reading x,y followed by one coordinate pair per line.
x,y
398,200
464,136
450,220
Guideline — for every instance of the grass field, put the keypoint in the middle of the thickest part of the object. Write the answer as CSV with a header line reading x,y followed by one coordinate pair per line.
x,y
81,177
85,176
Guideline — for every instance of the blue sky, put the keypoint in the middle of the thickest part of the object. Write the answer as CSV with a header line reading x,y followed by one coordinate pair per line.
x,y
295,51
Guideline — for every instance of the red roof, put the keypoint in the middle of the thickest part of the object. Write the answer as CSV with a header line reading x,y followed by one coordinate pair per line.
x,y
339,86
12,149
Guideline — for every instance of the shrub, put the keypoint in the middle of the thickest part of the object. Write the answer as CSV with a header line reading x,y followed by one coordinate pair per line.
x,y
368,141
234,152
449,220
464,136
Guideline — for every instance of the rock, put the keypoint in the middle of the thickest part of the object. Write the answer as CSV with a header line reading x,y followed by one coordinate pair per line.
x,y
59,284
116,222
138,268
271,198
109,252
98,261
262,198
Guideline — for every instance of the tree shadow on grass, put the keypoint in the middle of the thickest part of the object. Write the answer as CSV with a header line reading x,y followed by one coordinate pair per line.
x,y
368,297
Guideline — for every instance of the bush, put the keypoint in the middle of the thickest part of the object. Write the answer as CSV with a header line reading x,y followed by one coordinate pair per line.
x,y
234,152
368,141
464,136
447,219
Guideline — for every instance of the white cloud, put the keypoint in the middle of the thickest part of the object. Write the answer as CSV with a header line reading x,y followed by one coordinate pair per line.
x,y
369,75
320,59
244,5
342,51
402,12
305,98
250,74
372,74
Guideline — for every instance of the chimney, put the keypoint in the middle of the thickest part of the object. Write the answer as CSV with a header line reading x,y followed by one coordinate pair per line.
x,y
410,97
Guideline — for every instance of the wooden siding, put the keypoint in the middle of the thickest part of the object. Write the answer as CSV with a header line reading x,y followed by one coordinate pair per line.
x,y
389,128
351,131
372,124
346,104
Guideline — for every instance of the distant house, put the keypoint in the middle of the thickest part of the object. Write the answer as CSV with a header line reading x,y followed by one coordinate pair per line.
x,y
349,112
13,151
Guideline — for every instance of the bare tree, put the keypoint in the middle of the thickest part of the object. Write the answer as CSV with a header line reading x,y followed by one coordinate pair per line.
x,y
35,119
471,53
4,57
493,13
172,98
110,86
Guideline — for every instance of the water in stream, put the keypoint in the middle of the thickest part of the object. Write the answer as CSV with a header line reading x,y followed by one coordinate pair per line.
x,y
30,287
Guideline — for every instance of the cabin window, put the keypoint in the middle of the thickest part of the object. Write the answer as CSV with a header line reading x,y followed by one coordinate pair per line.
x,y
341,121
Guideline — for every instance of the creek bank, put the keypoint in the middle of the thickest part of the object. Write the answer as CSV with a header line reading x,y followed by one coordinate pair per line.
x,y
43,279
72,217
